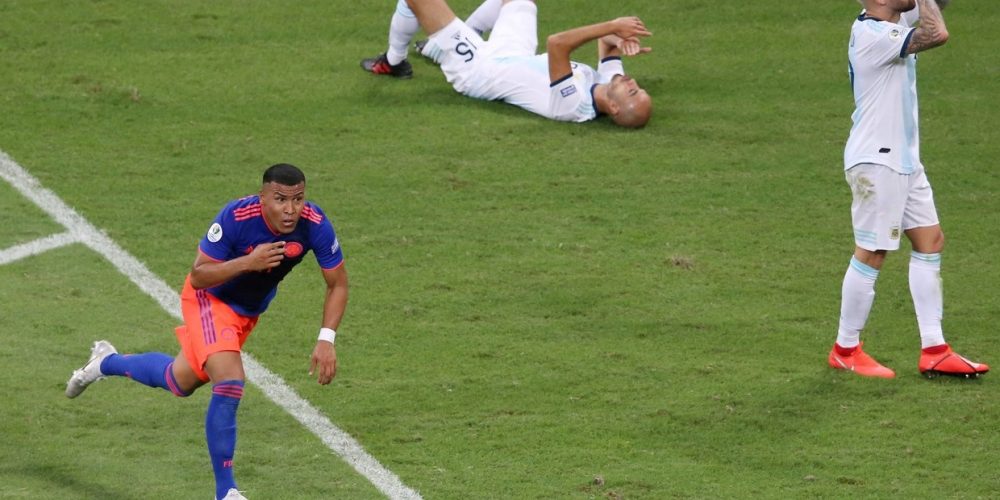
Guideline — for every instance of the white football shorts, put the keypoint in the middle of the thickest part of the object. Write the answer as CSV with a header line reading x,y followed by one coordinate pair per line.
x,y
468,61
886,203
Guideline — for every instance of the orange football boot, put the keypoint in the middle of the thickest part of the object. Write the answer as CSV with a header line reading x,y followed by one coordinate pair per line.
x,y
859,362
948,362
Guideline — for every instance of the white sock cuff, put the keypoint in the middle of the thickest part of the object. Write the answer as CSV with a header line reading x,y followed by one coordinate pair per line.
x,y
863,269
931,260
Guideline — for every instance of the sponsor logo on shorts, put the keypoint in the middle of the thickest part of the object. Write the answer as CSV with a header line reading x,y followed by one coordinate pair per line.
x,y
568,91
215,233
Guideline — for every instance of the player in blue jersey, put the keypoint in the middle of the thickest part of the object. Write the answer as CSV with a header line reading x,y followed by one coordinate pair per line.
x,y
892,196
248,249
506,68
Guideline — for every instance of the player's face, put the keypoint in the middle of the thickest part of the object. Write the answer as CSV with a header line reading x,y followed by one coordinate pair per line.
x,y
282,205
624,89
632,106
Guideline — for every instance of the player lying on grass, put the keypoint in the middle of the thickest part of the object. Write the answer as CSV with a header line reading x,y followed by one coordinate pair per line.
x,y
891,194
249,248
506,67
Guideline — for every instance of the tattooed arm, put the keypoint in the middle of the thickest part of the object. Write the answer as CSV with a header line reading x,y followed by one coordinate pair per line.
x,y
931,32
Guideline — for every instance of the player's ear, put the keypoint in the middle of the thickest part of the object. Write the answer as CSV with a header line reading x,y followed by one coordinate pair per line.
x,y
613,107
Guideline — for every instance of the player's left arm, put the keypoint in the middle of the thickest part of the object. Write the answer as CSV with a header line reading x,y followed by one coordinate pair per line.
x,y
324,355
931,32
560,45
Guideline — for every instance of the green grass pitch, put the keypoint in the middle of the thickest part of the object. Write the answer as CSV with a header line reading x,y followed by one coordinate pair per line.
x,y
538,310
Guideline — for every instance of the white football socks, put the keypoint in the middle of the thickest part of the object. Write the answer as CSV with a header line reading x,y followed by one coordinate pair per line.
x,y
928,297
857,296
401,30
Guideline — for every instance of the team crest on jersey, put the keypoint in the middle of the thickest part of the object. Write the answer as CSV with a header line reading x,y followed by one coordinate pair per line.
x,y
293,249
894,34
215,233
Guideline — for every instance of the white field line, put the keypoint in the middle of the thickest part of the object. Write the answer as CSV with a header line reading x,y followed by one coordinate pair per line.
x,y
18,252
80,230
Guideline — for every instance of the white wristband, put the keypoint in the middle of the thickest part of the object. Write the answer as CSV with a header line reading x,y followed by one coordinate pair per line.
x,y
327,334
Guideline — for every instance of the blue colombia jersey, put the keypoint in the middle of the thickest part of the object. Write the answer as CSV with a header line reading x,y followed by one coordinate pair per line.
x,y
240,227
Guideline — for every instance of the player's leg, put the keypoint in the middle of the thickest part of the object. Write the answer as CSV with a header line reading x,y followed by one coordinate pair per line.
x,y
153,369
481,20
875,194
225,369
433,15
515,33
485,16
211,341
392,62
923,229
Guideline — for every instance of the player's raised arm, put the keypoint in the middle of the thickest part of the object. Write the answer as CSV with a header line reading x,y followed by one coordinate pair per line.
x,y
560,45
614,45
931,32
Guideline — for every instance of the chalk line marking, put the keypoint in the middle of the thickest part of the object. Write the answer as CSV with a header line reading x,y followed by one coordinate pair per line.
x,y
36,247
274,387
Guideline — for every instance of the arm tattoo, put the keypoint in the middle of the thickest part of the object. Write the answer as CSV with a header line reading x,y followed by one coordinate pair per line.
x,y
931,32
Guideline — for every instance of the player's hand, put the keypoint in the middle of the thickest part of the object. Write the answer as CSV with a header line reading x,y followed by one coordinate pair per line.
x,y
632,47
630,27
267,256
324,356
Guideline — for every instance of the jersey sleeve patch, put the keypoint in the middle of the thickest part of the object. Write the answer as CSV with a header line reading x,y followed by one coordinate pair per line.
x,y
214,233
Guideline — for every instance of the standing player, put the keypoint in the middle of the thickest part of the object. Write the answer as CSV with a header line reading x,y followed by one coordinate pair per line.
x,y
249,248
506,67
891,193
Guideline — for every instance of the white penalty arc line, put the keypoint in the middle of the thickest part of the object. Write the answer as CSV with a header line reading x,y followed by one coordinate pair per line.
x,y
273,386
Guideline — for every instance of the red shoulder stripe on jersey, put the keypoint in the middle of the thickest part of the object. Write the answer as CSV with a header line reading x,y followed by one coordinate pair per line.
x,y
311,215
240,216
248,208
253,205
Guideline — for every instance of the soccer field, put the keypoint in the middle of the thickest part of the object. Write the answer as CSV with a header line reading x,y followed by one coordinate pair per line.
x,y
538,309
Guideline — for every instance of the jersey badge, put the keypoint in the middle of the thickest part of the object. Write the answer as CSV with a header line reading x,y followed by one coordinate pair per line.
x,y
215,233
293,249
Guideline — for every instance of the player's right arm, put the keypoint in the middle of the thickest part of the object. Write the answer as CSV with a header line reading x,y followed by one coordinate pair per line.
x,y
614,45
560,45
931,32
207,272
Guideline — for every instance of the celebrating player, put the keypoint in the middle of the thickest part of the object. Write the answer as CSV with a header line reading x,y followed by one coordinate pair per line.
x,y
892,195
506,68
249,248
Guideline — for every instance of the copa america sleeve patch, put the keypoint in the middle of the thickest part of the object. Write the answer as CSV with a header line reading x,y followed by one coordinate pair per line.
x,y
214,233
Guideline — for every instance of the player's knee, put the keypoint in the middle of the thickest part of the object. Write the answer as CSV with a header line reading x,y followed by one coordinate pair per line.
x,y
938,244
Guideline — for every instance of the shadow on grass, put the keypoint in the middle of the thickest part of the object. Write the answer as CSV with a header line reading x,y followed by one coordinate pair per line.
x,y
61,481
